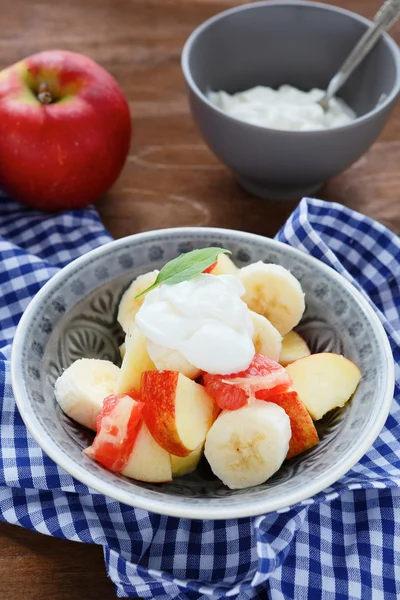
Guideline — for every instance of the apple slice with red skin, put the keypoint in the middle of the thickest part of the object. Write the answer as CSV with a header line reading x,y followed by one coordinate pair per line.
x,y
211,267
177,411
148,461
223,266
182,465
232,391
324,381
304,434
118,425
124,445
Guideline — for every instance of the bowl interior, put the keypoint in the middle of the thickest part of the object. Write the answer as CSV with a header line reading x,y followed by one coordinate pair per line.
x,y
302,44
75,316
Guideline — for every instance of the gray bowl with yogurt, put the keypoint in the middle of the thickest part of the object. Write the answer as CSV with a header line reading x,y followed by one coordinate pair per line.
x,y
274,140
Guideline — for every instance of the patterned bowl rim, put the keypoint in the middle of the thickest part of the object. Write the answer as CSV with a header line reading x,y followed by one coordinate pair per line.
x,y
187,507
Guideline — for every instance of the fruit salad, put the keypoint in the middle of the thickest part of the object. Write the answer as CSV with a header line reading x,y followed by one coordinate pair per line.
x,y
211,366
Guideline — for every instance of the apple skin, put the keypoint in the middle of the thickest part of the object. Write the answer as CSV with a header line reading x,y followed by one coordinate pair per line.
x,y
177,411
304,434
68,153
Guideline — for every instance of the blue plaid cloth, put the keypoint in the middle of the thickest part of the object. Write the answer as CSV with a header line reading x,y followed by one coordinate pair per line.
x,y
342,544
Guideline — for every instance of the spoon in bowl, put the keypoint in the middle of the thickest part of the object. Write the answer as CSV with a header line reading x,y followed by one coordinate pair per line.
x,y
386,16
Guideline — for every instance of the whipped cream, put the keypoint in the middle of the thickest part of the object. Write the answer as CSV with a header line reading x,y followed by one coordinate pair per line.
x,y
204,319
287,108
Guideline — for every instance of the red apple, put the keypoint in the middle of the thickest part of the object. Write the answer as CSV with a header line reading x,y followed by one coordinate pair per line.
x,y
123,443
304,434
65,130
148,461
177,411
223,266
324,381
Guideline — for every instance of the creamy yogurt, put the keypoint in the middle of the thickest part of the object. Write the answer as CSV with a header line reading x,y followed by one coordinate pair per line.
x,y
286,108
204,319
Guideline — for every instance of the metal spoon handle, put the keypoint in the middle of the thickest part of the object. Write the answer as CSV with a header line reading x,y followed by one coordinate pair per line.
x,y
384,19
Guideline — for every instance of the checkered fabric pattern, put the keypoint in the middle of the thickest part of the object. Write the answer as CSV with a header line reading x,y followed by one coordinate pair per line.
x,y
343,544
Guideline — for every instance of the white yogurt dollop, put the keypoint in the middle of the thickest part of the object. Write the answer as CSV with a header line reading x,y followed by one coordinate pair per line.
x,y
205,319
287,108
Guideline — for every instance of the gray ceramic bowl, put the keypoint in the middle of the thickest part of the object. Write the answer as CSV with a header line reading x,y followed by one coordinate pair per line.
x,y
74,316
302,44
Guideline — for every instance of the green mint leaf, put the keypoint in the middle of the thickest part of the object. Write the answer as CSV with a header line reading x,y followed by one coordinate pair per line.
x,y
186,266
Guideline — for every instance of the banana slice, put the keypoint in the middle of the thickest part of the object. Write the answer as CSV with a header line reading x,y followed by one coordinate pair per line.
x,y
129,304
266,339
272,291
166,359
245,447
224,266
82,387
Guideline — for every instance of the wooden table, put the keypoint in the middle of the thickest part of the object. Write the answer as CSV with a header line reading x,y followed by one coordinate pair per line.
x,y
170,179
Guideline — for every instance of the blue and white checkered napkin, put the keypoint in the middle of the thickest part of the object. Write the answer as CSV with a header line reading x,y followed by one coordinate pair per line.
x,y
344,544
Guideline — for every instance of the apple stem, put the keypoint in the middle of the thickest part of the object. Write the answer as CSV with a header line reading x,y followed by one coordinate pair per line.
x,y
44,94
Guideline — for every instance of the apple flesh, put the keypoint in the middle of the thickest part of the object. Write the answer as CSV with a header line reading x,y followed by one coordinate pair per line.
x,y
124,445
148,461
136,360
294,347
183,465
65,130
304,434
324,381
177,411
224,266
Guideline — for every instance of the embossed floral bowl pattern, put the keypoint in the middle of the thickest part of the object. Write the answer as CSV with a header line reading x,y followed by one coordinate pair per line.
x,y
74,316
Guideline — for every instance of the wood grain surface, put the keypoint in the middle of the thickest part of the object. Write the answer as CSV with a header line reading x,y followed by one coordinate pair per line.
x,y
170,179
